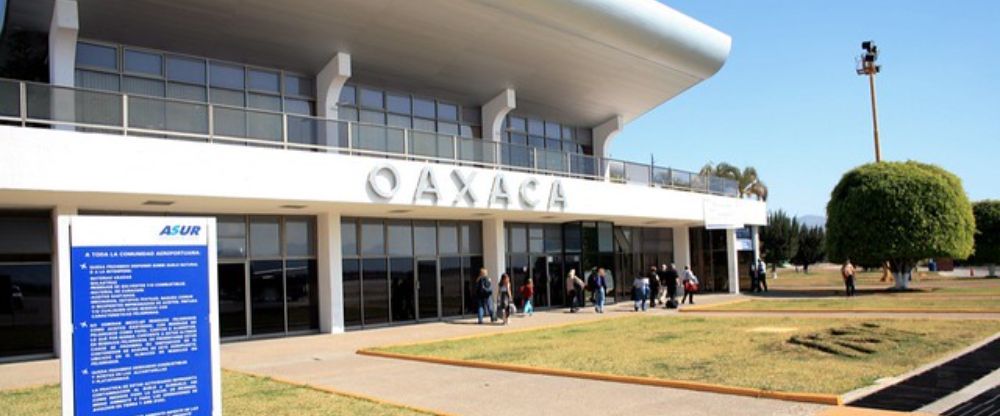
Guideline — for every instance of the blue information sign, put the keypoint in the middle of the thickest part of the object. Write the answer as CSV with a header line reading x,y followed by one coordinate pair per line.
x,y
142,322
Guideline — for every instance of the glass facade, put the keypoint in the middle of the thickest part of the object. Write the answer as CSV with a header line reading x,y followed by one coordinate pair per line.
x,y
403,271
708,259
25,284
639,248
399,109
548,145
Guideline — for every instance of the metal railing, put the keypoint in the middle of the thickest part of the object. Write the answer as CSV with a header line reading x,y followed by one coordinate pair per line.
x,y
30,104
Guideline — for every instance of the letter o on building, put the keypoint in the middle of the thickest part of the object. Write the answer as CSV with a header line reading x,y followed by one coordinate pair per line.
x,y
377,178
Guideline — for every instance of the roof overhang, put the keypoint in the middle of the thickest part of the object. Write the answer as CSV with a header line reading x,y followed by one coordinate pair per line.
x,y
576,61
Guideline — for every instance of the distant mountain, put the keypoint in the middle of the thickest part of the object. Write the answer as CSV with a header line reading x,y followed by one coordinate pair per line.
x,y
812,220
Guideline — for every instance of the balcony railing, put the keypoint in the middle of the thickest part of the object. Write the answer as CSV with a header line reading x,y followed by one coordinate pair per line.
x,y
30,104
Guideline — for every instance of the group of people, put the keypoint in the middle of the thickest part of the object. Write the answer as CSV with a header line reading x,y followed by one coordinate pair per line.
x,y
597,284
648,288
505,298
758,276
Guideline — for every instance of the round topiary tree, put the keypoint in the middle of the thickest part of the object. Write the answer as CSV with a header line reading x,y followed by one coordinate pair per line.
x,y
898,211
987,215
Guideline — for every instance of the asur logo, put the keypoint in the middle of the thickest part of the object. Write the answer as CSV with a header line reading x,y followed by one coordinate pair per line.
x,y
181,230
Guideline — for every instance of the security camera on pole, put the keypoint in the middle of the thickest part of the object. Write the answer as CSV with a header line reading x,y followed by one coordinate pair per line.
x,y
867,66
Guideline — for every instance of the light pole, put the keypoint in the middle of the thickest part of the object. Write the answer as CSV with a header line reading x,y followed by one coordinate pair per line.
x,y
867,66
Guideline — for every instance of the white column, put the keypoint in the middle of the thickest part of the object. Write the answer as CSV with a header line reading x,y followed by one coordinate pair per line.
x,y
60,258
494,111
62,42
755,234
603,134
329,81
732,261
494,247
331,277
682,247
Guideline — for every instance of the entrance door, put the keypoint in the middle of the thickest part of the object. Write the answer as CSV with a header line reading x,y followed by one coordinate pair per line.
x,y
540,275
427,293
232,300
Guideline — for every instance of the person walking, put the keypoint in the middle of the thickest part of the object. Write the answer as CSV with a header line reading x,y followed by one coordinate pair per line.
x,y
669,279
690,282
761,275
506,296
574,289
640,292
600,290
654,286
754,274
847,272
484,296
527,292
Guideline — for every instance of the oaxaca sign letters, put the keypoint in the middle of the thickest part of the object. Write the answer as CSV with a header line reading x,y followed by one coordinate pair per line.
x,y
384,180
142,335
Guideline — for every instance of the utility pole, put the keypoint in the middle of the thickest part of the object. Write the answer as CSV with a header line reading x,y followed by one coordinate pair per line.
x,y
867,66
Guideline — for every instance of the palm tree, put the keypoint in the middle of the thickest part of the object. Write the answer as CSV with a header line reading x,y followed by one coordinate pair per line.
x,y
749,183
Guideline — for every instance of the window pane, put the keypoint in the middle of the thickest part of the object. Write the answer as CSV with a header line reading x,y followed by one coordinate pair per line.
x,y
423,124
400,238
143,62
261,80
348,237
447,238
185,91
143,86
518,239
97,80
264,102
99,56
267,295
472,239
227,97
447,111
401,288
425,238
375,285
372,237
371,98
374,117
447,128
303,87
399,121
296,106
584,137
472,115
186,70
536,240
302,294
27,315
265,237
352,292
518,123
226,76
567,133
536,127
398,103
347,113
21,235
300,237
553,238
552,130
347,95
232,299
423,107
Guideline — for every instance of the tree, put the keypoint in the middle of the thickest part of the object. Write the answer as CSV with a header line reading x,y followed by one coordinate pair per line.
x,y
810,247
748,182
779,239
987,239
901,212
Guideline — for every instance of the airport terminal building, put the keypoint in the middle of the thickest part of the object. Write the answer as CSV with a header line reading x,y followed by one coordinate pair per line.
x,y
363,159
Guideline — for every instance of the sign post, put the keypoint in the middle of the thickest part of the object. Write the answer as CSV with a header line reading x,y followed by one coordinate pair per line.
x,y
143,337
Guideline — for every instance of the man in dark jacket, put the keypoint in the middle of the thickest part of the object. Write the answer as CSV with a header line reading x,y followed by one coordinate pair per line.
x,y
654,286
668,278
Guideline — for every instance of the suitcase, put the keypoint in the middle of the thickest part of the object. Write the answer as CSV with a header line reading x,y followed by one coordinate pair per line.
x,y
671,303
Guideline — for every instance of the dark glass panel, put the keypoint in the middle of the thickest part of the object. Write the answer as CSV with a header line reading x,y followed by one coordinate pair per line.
x,y
402,289
265,237
302,294
540,276
25,309
303,87
99,56
518,269
427,294
518,239
372,237
348,95
232,300
572,237
375,274
398,103
423,107
372,98
400,238
447,238
553,238
25,235
557,285
553,130
143,62
226,76
348,237
186,70
470,272
267,294
605,241
300,237
447,111
352,292
518,124
536,127
472,238
425,238
536,240
261,80
451,286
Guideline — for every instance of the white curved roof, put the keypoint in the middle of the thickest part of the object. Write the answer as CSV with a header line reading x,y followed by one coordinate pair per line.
x,y
575,61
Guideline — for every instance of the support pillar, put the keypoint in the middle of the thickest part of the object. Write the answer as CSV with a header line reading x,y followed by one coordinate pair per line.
x,y
682,247
331,278
494,112
62,42
60,274
603,134
329,81
494,247
732,261
755,234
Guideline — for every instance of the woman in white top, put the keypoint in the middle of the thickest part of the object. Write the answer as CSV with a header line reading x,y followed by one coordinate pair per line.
x,y
574,289
640,292
690,283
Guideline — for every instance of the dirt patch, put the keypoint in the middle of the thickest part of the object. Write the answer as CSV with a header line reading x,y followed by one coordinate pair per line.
x,y
852,341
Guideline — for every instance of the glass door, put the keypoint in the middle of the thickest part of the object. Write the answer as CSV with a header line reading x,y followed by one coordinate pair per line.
x,y
540,275
232,299
267,297
427,293
402,291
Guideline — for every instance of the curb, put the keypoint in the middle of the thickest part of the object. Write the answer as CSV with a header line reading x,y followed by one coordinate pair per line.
x,y
712,305
923,311
817,398
331,390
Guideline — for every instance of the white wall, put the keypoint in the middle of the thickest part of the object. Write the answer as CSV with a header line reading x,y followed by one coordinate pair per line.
x,y
40,159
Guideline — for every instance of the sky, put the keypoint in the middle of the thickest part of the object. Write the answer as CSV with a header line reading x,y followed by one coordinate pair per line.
x,y
789,103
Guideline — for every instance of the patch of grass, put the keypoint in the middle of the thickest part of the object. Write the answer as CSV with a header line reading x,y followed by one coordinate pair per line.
x,y
241,395
866,302
726,350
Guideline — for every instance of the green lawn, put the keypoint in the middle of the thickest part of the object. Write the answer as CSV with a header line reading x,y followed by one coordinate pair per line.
x,y
241,395
818,355
930,303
